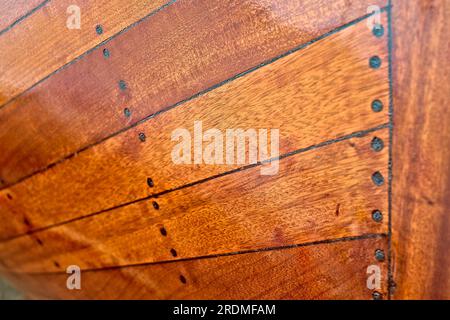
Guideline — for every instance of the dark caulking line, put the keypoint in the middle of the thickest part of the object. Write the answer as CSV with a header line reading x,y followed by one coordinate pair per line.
x,y
29,13
90,50
391,284
279,248
199,94
358,134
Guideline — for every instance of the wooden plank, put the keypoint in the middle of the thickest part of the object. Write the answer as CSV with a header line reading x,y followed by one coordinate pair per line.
x,y
421,166
306,94
324,271
43,43
184,49
13,10
314,196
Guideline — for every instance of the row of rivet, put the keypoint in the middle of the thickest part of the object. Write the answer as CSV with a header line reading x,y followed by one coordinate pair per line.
x,y
127,113
377,145
122,84
162,229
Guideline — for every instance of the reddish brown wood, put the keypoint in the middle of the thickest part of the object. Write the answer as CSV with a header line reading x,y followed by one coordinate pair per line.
x,y
42,43
314,196
421,154
313,95
13,10
186,48
324,271
320,93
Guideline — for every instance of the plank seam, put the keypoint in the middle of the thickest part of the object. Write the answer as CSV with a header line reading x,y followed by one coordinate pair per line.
x,y
357,134
250,251
391,134
152,13
19,20
198,94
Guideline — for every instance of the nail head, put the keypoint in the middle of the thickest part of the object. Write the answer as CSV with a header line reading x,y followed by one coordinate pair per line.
x,y
377,216
375,62
377,106
99,29
377,144
122,85
378,30
377,296
378,178
379,255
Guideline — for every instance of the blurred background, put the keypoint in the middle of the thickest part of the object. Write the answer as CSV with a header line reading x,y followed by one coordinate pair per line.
x,y
7,292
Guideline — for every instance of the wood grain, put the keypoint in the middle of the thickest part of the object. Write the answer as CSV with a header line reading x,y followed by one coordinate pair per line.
x,y
184,49
43,43
313,95
421,185
314,196
13,10
323,271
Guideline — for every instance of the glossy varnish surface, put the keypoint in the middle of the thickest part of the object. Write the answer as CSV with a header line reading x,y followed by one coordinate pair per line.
x,y
74,166
203,231
305,272
301,94
184,49
42,43
421,185
14,11
233,213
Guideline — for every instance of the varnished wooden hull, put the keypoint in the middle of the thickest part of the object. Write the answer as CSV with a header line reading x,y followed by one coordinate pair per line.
x,y
88,176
